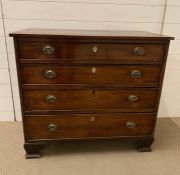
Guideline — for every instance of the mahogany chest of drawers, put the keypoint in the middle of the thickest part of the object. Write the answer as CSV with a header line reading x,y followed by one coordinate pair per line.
x,y
89,85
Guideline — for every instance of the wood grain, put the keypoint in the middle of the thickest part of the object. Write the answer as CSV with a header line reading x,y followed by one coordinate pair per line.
x,y
89,99
81,126
84,51
116,74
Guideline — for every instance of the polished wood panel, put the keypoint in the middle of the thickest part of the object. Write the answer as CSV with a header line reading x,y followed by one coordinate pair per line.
x,y
89,99
88,125
86,51
100,34
90,74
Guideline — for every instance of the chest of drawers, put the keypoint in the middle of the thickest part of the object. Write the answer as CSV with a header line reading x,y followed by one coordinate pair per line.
x,y
89,85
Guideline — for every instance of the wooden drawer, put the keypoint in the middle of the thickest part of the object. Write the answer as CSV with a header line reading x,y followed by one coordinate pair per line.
x,y
136,99
90,51
88,125
43,74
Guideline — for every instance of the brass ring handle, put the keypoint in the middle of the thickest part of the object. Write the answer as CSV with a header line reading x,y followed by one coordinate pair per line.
x,y
47,49
130,124
139,51
52,127
136,74
49,74
133,98
51,99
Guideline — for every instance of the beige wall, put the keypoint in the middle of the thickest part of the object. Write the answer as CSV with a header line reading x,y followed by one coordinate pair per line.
x,y
6,101
170,102
145,15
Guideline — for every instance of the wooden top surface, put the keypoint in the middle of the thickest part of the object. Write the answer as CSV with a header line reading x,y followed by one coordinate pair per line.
x,y
111,34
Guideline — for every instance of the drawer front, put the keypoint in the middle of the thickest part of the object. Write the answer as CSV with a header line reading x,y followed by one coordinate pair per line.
x,y
90,51
88,125
96,74
89,99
